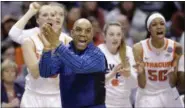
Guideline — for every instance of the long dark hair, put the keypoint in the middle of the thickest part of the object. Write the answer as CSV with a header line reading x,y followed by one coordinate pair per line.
x,y
124,12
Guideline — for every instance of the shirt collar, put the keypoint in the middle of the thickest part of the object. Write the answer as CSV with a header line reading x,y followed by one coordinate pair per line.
x,y
72,47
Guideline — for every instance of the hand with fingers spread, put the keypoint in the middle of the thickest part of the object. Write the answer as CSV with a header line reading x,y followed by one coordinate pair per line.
x,y
117,68
50,35
125,70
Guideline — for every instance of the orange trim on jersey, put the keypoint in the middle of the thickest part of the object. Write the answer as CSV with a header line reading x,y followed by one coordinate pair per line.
x,y
166,44
149,45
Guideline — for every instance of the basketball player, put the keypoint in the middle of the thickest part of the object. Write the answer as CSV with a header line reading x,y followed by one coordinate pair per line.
x,y
17,33
40,92
121,77
155,63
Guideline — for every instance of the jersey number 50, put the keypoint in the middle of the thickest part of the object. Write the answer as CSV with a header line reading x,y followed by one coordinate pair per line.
x,y
157,75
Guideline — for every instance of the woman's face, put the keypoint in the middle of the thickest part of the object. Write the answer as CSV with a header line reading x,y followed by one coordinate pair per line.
x,y
60,14
128,5
9,75
46,15
91,5
157,28
9,54
114,36
74,14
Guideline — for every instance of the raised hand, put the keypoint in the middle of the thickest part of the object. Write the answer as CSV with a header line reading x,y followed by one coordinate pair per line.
x,y
34,7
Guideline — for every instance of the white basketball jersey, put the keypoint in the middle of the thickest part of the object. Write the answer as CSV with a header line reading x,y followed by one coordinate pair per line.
x,y
116,94
157,66
43,85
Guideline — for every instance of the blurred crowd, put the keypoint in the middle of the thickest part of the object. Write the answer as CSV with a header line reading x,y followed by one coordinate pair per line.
x,y
130,14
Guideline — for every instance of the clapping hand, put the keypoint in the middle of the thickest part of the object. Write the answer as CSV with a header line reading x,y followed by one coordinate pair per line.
x,y
51,38
123,69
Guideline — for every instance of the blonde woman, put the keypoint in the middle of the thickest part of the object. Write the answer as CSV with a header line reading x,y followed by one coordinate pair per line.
x,y
121,76
40,92
11,92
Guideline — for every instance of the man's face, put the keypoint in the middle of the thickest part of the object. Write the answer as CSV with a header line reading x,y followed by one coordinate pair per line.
x,y
82,34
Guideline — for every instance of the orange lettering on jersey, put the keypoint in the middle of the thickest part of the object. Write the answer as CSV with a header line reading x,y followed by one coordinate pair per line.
x,y
115,82
158,64
155,75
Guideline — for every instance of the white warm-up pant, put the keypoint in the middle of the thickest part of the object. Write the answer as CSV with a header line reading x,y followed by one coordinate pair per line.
x,y
166,99
34,100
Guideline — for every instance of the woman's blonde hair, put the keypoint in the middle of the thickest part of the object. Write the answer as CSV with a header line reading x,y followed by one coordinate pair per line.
x,y
8,64
122,47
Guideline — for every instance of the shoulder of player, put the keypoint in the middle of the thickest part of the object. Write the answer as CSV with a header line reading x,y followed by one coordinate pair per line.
x,y
137,51
65,38
28,42
101,46
68,37
128,48
137,47
178,48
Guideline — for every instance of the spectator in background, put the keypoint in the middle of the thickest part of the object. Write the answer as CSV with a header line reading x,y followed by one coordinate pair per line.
x,y
8,52
12,92
91,8
123,20
7,22
73,14
177,26
137,27
126,8
166,8
11,8
97,31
